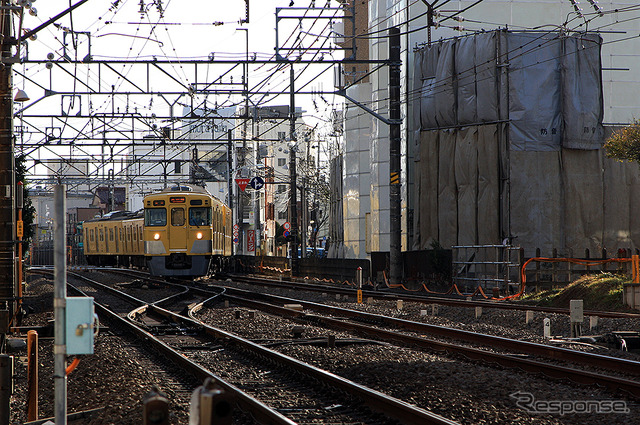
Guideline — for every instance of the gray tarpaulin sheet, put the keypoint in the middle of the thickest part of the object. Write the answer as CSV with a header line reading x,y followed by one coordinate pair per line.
x,y
486,84
542,177
445,100
416,92
428,188
466,164
621,204
475,65
536,200
554,87
465,68
582,107
459,186
534,91
583,192
488,186
447,197
428,106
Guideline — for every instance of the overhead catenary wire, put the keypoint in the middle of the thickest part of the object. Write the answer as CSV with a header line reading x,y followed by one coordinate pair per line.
x,y
382,99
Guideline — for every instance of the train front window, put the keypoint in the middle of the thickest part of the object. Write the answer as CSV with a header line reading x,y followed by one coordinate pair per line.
x,y
177,217
199,216
155,217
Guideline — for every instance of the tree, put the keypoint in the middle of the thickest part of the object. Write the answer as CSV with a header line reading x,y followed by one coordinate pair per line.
x,y
28,210
624,144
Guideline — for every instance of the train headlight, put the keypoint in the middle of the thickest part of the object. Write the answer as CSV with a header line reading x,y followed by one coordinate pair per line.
x,y
156,236
199,235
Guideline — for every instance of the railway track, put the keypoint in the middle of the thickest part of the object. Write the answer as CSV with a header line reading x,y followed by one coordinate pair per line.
x,y
252,372
353,321
424,299
577,366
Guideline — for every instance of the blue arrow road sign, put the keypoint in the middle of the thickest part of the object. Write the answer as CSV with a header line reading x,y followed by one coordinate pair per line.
x,y
257,183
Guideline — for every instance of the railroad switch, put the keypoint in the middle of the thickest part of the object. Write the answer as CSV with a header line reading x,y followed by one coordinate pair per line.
x,y
623,340
331,341
297,331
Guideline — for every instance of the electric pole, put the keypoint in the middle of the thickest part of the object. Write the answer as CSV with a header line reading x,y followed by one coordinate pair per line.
x,y
7,176
256,193
293,209
230,151
395,228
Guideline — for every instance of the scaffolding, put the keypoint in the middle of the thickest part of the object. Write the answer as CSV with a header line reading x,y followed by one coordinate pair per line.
x,y
487,266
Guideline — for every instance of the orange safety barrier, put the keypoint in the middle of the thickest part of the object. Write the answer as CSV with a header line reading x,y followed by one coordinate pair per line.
x,y
523,274
398,285
479,290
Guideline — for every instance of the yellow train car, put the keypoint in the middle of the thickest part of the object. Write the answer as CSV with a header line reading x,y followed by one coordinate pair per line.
x,y
182,231
109,240
187,232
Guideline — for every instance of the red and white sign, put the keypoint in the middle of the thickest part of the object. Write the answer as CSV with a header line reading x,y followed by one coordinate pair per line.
x,y
251,240
286,225
236,230
242,183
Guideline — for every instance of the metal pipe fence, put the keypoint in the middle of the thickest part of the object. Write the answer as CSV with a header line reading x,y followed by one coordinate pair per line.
x,y
487,266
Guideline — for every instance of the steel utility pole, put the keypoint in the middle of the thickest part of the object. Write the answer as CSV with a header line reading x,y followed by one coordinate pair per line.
x,y
293,207
230,151
7,176
395,228
59,302
256,193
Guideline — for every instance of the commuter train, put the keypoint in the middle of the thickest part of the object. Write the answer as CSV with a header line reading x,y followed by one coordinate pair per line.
x,y
182,231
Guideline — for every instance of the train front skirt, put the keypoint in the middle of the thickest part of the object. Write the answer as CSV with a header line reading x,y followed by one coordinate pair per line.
x,y
178,264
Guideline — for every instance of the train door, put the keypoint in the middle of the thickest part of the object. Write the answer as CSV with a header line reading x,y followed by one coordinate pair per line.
x,y
94,240
103,243
216,228
134,242
178,229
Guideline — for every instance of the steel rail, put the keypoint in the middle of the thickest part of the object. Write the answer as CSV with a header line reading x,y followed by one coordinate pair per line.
x,y
375,400
561,372
432,299
556,353
262,413
615,364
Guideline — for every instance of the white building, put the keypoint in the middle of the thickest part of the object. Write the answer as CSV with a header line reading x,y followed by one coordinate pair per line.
x,y
194,149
